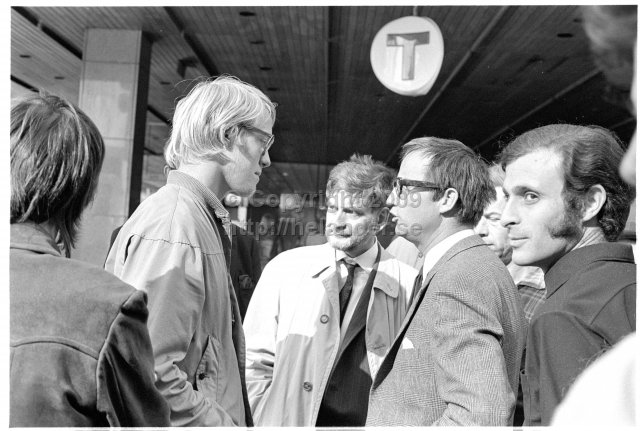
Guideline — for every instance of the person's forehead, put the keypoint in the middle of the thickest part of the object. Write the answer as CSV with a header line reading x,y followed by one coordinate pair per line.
x,y
264,122
496,205
350,200
414,167
539,167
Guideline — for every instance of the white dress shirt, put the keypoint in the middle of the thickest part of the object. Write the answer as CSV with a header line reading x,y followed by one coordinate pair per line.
x,y
360,276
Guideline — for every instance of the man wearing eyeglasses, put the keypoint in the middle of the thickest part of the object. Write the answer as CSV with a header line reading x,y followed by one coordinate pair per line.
x,y
456,358
322,317
176,246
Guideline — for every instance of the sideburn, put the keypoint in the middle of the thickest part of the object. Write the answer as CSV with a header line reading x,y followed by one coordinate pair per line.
x,y
571,224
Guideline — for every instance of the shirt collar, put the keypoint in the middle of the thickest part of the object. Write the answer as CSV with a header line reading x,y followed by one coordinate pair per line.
x,y
387,283
200,190
531,276
437,251
365,261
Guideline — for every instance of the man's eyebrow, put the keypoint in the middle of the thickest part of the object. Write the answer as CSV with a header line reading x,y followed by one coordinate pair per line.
x,y
520,189
494,212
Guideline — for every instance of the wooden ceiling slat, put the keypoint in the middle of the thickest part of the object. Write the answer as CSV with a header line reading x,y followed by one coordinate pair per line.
x,y
523,64
354,119
520,72
48,60
286,51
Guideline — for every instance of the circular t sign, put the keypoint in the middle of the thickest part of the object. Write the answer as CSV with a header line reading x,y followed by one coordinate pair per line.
x,y
406,55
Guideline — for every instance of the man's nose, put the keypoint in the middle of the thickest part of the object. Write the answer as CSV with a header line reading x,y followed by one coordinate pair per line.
x,y
509,215
265,160
482,227
392,199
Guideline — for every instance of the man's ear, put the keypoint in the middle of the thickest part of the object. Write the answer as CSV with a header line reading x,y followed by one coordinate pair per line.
x,y
594,201
383,216
448,200
231,137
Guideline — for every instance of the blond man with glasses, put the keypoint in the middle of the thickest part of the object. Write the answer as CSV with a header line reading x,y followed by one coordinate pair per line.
x,y
176,247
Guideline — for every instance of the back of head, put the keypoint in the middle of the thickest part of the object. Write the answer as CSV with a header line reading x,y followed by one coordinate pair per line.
x,y
451,164
496,173
590,156
363,178
56,157
207,120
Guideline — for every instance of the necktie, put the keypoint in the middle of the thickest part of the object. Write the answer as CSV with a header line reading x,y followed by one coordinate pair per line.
x,y
416,287
345,292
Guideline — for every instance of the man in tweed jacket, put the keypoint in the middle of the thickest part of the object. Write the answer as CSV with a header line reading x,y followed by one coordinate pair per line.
x,y
456,358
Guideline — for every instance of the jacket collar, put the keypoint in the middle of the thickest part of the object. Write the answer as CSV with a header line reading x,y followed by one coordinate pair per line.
x,y
460,246
386,278
202,192
32,237
574,262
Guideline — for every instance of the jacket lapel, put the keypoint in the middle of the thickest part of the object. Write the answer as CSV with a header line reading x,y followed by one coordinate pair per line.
x,y
324,270
387,363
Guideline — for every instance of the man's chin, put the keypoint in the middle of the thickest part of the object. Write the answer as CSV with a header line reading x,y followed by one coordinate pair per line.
x,y
522,259
245,192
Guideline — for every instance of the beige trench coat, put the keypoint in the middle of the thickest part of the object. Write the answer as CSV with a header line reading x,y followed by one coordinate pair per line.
x,y
292,330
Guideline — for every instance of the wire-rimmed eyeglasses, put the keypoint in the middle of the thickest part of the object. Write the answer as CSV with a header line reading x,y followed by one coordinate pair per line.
x,y
266,143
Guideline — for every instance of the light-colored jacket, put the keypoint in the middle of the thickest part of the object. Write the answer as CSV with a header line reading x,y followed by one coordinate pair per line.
x,y
292,329
173,247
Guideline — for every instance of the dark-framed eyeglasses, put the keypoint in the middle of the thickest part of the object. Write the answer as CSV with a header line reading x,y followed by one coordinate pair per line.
x,y
400,183
267,143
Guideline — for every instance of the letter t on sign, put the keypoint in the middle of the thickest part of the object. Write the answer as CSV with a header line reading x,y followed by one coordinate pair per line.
x,y
408,42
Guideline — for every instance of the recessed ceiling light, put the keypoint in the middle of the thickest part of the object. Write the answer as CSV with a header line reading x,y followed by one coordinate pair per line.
x,y
285,174
265,68
247,13
565,35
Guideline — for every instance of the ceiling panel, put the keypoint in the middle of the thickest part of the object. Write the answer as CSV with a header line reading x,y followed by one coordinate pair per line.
x,y
39,61
282,51
506,69
365,116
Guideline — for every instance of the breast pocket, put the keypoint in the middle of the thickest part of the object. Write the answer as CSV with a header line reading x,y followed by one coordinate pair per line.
x,y
208,373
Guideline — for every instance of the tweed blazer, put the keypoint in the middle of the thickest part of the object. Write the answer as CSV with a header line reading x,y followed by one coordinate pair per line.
x,y
456,358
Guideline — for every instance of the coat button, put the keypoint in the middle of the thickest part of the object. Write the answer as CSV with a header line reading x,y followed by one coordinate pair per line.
x,y
307,386
202,376
324,318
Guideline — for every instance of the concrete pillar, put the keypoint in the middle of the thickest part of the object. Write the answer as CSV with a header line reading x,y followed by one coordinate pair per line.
x,y
113,92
